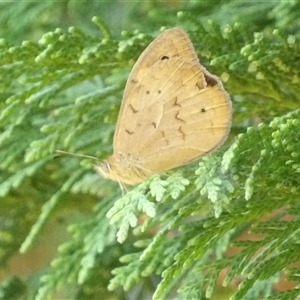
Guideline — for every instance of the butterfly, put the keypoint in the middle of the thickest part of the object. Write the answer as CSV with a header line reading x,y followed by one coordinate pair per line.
x,y
173,112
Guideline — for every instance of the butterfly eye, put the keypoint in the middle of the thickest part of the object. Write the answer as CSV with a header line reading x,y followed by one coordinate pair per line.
x,y
103,168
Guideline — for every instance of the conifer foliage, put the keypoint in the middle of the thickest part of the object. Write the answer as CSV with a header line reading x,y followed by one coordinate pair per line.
x,y
229,221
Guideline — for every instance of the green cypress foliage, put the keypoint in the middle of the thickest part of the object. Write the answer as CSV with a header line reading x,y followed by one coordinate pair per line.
x,y
231,219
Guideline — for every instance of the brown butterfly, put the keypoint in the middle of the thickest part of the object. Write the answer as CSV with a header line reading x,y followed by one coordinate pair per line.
x,y
173,112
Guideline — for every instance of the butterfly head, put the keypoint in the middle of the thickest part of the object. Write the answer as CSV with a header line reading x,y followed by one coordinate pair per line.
x,y
107,169
121,169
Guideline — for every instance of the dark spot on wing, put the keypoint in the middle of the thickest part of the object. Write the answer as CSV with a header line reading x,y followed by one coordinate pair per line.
x,y
129,132
179,118
133,109
211,81
164,138
183,134
175,103
164,57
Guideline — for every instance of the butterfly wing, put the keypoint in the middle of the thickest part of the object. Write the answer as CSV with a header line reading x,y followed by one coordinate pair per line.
x,y
173,44
173,111
194,123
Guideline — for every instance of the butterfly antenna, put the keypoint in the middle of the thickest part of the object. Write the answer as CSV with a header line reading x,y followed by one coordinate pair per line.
x,y
76,155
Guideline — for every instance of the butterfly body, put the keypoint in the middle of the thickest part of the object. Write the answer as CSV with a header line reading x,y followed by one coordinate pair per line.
x,y
173,112
127,165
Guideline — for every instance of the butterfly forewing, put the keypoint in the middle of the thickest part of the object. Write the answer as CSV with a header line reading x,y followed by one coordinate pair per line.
x,y
173,43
